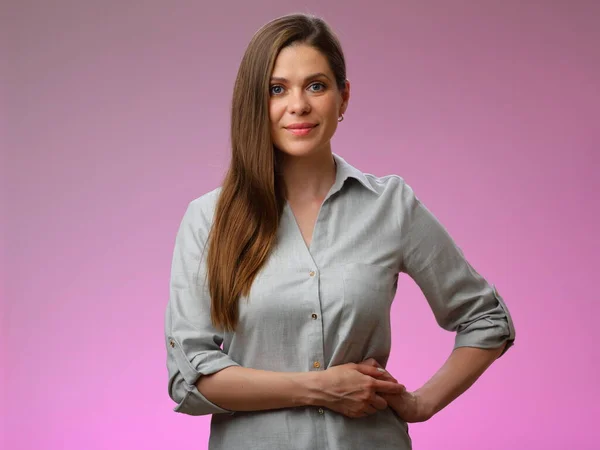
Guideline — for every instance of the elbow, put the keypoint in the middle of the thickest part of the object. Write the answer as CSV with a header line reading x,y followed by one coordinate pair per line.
x,y
190,400
491,328
487,334
177,390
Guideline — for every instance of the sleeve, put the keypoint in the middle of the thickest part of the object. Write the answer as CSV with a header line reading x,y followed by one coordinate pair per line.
x,y
193,344
460,298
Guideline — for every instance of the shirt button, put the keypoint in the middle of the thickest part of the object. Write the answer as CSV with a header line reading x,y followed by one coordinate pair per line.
x,y
312,273
172,344
316,364
314,316
321,411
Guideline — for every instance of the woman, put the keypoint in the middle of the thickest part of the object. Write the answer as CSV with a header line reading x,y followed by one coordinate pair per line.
x,y
282,281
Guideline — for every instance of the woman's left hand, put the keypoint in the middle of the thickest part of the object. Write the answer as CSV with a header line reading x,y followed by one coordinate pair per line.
x,y
409,406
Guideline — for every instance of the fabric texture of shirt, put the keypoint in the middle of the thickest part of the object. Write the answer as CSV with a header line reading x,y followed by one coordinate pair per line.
x,y
311,308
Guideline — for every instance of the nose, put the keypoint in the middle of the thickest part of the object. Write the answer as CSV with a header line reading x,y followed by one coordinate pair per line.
x,y
298,103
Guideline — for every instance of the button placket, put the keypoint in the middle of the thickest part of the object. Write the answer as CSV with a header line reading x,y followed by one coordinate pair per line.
x,y
316,331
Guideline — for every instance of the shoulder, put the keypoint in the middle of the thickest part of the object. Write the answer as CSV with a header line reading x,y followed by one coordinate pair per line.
x,y
200,210
207,202
392,187
385,182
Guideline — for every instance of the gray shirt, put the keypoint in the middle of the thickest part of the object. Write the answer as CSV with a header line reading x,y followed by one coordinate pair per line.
x,y
315,307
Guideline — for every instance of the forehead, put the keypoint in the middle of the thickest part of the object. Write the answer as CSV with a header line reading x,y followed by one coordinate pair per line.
x,y
296,61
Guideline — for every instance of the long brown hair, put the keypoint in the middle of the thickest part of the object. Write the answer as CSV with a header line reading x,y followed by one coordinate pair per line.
x,y
253,194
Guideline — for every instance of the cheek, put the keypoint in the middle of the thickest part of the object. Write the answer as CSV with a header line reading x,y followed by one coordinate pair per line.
x,y
331,112
331,109
276,111
275,118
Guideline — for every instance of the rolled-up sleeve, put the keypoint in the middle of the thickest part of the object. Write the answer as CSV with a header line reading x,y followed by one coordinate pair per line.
x,y
193,344
460,298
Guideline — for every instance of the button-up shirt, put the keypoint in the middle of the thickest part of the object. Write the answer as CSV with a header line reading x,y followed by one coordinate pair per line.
x,y
317,306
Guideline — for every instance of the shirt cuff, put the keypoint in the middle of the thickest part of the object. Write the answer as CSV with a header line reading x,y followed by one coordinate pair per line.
x,y
490,331
186,375
196,404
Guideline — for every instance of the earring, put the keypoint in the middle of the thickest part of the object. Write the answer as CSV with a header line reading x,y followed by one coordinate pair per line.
x,y
341,118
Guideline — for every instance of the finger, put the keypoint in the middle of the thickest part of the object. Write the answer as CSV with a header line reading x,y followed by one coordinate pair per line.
x,y
370,370
388,387
378,402
376,372
386,376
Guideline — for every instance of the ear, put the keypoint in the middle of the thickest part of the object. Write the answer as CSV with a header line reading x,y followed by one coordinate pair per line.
x,y
345,97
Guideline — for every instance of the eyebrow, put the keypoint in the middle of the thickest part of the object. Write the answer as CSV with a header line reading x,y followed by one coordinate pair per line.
x,y
314,75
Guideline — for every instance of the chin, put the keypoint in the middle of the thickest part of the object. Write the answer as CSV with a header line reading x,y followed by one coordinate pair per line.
x,y
298,150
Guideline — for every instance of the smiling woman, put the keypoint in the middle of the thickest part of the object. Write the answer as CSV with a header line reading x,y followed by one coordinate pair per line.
x,y
278,321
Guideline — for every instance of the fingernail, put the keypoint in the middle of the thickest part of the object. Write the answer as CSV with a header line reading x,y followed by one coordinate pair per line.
x,y
381,369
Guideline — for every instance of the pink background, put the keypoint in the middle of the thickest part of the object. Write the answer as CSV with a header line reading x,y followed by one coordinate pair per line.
x,y
115,115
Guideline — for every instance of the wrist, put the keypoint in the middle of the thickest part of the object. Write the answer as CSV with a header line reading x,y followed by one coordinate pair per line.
x,y
425,404
309,389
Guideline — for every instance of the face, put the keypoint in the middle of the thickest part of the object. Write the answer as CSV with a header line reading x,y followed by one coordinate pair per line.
x,y
303,93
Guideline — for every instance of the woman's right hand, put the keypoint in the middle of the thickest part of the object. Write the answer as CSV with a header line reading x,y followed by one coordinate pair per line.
x,y
351,389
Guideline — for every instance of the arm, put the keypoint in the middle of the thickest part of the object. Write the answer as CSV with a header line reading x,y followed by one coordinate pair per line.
x,y
349,389
245,389
193,344
464,366
461,301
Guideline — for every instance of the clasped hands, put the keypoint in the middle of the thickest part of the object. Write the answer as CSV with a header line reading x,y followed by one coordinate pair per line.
x,y
359,390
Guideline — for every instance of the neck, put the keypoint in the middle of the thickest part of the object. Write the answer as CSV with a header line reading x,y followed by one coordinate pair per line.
x,y
308,178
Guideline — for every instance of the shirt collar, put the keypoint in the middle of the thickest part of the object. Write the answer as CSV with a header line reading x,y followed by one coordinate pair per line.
x,y
345,171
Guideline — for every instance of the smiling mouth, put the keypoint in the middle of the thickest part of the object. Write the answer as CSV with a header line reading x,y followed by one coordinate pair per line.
x,y
301,131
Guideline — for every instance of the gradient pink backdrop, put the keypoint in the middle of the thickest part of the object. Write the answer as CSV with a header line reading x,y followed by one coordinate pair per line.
x,y
115,115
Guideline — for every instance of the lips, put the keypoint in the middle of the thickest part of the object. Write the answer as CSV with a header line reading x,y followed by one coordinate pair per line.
x,y
301,131
300,126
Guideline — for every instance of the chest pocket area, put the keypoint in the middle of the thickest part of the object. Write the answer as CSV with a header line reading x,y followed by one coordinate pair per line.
x,y
368,293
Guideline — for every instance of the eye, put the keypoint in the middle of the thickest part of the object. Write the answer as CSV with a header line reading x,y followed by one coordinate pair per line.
x,y
321,85
272,89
